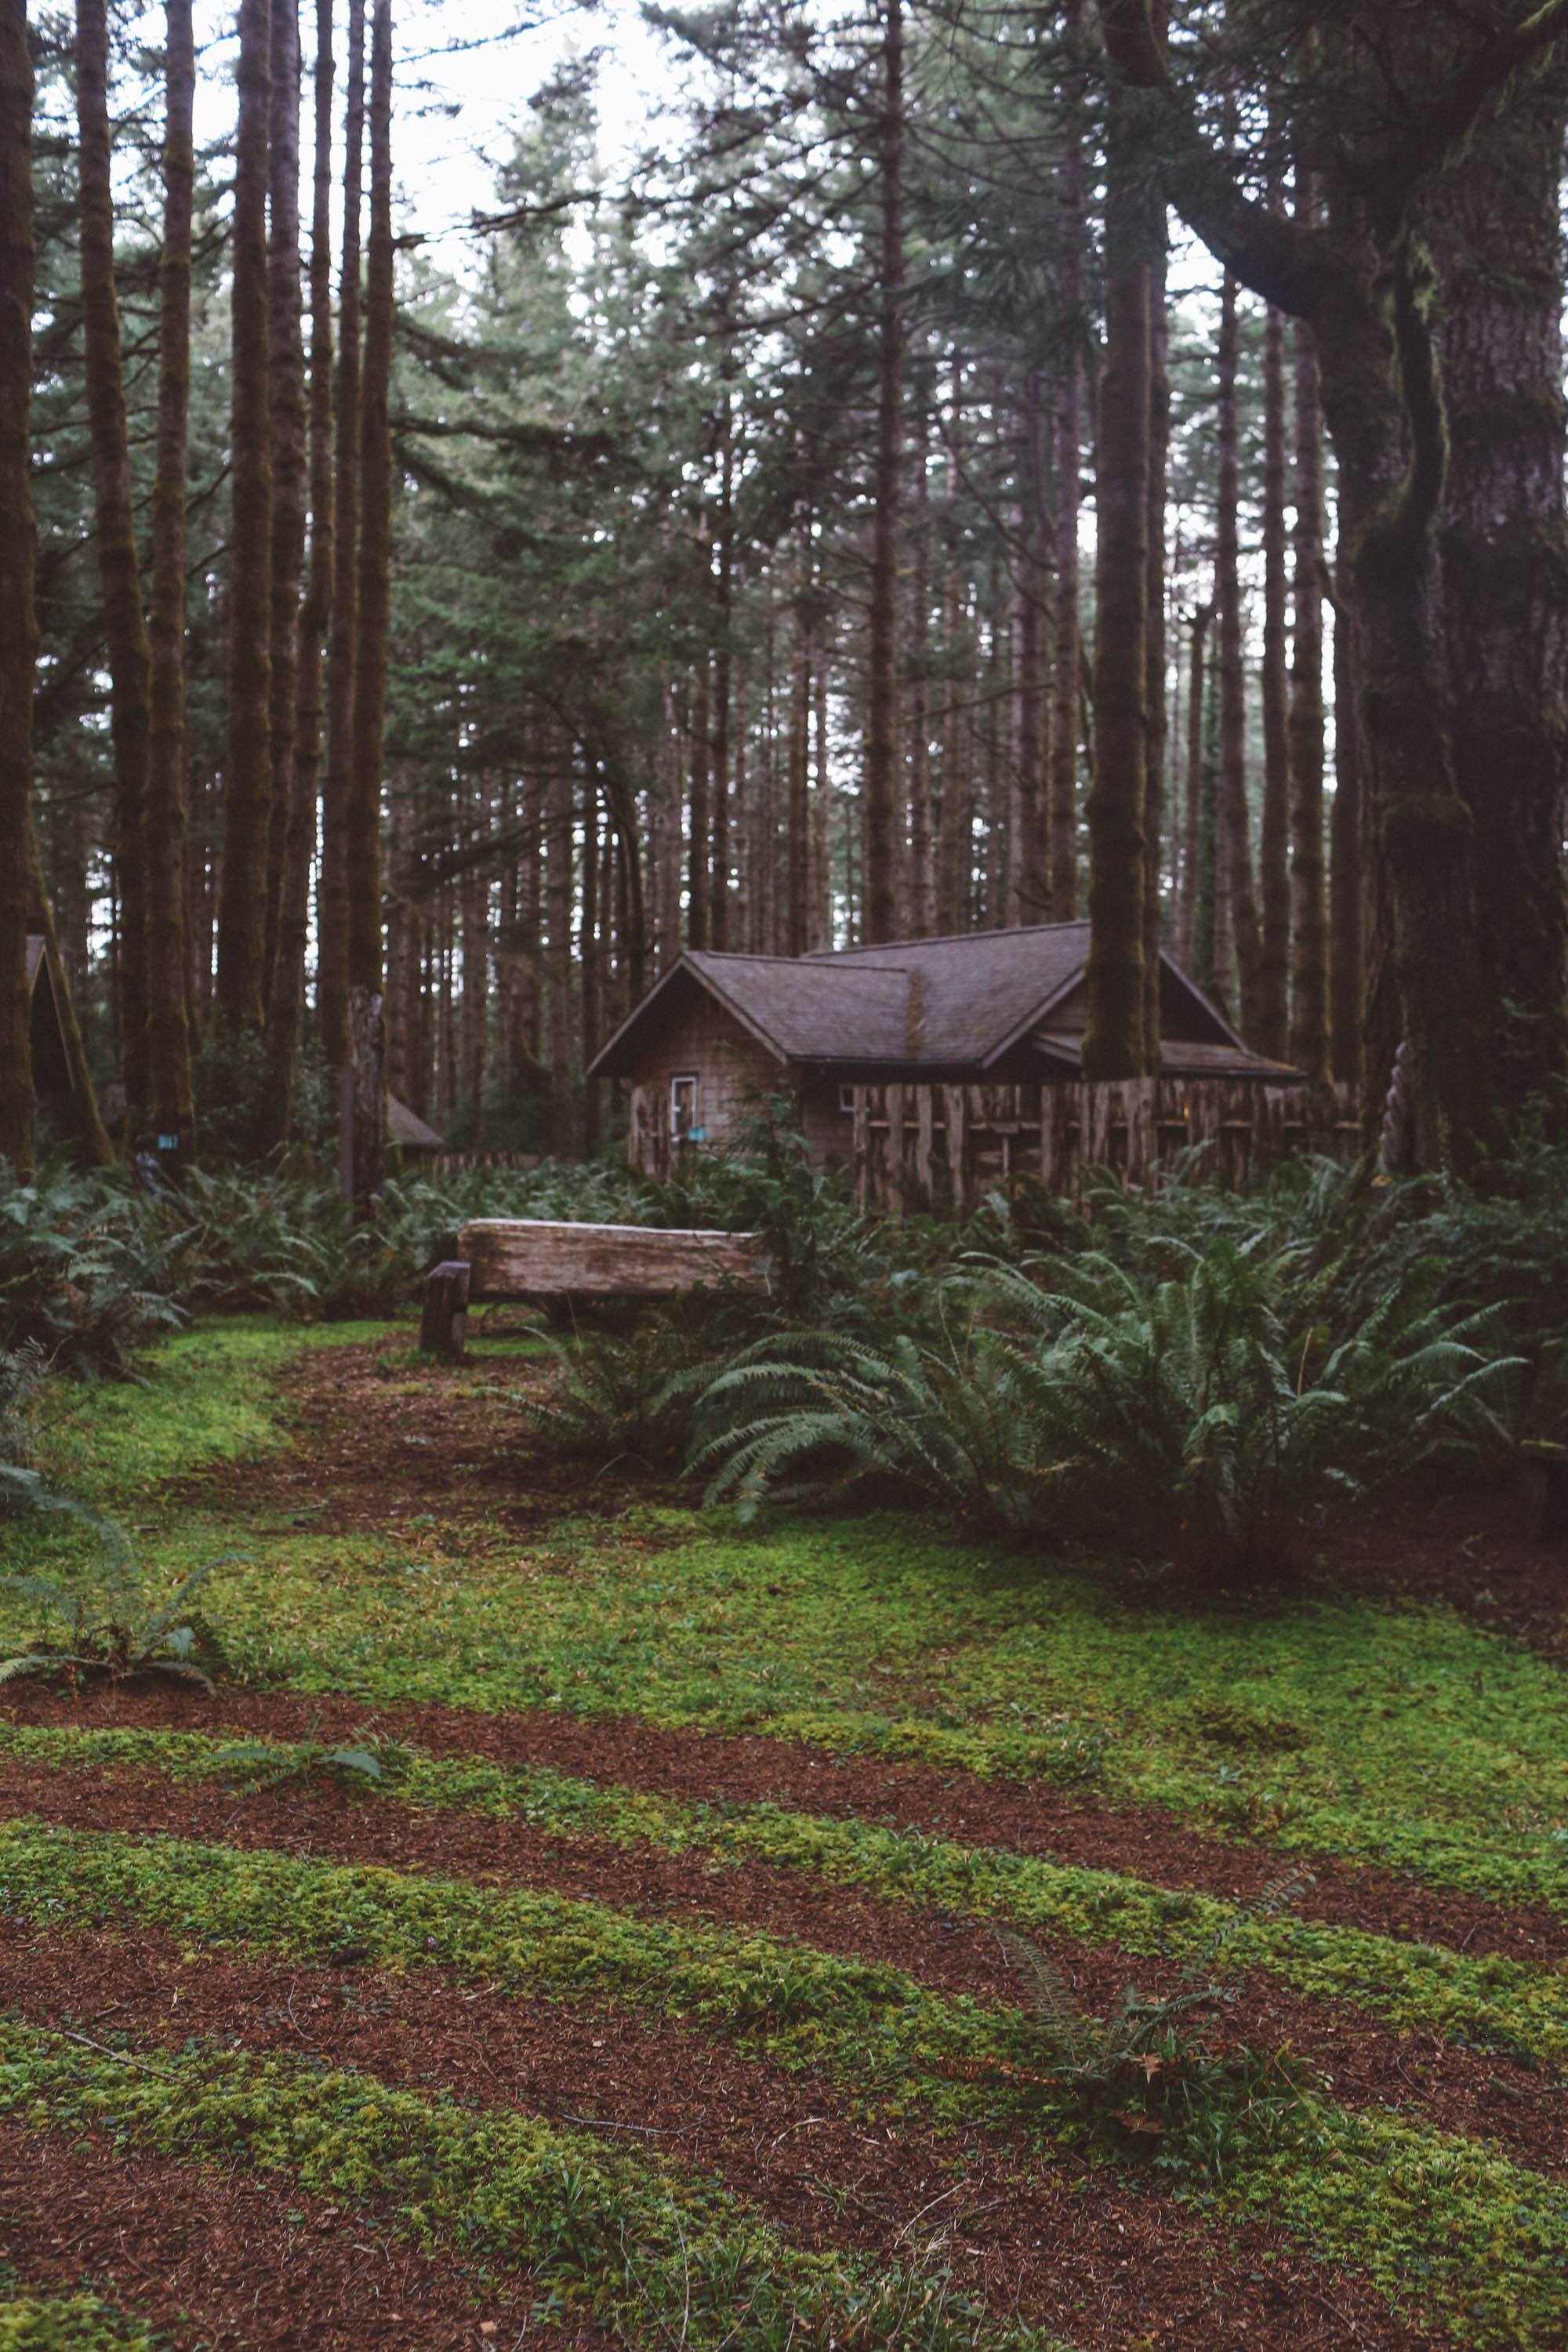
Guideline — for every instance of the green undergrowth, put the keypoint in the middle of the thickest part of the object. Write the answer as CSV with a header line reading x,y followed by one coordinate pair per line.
x,y
1438,2223
639,2243
73,2323
1518,2010
202,1396
1403,1736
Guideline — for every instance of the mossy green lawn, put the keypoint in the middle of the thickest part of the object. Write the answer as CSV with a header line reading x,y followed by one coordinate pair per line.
x,y
1402,1735
71,2323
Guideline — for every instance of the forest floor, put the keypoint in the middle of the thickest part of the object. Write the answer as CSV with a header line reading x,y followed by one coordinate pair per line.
x,y
632,1978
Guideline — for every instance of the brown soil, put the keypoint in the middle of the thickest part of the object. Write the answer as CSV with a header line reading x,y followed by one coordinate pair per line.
x,y
1139,1841
1472,1548
1116,2268
1366,2062
215,2256
372,1451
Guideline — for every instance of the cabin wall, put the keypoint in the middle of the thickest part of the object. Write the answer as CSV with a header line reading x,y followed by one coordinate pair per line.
x,y
733,1072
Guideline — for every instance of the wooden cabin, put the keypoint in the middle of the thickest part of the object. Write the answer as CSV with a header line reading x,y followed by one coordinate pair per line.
x,y
967,1050
52,1086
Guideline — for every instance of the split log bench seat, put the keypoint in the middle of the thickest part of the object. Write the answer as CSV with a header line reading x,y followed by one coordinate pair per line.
x,y
551,1264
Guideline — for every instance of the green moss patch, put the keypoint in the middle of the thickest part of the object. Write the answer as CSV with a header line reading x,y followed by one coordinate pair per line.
x,y
75,2323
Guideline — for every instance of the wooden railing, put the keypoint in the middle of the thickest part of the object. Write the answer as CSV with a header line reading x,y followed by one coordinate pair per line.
x,y
957,1141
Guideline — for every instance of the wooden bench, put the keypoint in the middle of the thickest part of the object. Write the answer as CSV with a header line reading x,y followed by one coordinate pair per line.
x,y
547,1263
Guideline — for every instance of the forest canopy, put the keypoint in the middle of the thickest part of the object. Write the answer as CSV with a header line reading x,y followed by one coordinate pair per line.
x,y
965,466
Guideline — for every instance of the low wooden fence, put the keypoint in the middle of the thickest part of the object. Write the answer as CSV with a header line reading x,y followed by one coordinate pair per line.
x,y
956,1143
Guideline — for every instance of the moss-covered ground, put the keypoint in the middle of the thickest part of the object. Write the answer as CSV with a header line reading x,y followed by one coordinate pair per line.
x,y
1403,1737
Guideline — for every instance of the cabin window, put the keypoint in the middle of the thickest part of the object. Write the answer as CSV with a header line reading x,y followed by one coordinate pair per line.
x,y
846,1100
683,1124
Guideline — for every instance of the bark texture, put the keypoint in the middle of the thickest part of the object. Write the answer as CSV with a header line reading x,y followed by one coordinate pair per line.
x,y
1273,1010
247,774
1235,832
287,424
118,573
1068,650
882,842
1114,1045
1309,1043
363,829
333,920
168,777
18,546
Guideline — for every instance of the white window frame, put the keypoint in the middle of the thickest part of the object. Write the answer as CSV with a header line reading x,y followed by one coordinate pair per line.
x,y
678,1078
846,1098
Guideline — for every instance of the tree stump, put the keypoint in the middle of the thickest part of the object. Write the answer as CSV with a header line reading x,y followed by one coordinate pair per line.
x,y
444,1321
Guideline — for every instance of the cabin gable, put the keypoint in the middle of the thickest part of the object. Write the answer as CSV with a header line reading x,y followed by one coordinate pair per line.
x,y
694,1066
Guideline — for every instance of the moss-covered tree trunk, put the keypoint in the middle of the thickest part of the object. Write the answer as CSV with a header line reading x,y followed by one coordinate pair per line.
x,y
883,798
284,1010
287,424
1271,1030
1493,222
168,773
18,546
1309,1043
362,831
247,765
1114,1045
119,571
333,923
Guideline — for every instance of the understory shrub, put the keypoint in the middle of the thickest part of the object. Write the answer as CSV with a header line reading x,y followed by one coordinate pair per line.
x,y
101,1618
89,1272
1202,1419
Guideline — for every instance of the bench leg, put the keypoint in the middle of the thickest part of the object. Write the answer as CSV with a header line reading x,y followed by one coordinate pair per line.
x,y
444,1321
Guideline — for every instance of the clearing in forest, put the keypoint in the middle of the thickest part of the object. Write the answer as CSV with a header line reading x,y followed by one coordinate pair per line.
x,y
572,1919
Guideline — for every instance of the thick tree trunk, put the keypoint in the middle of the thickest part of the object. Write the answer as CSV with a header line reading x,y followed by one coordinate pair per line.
x,y
921,912
286,1004
1492,220
723,670
1069,436
248,769
821,935
1154,639
1114,1045
797,827
1236,835
953,845
1272,1021
1309,925
475,1019
120,579
558,874
285,353
1347,829
332,912
362,840
362,816
883,830
168,773
18,549
590,965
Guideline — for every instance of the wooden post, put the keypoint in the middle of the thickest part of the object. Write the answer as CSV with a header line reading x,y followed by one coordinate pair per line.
x,y
367,1056
444,1321
895,1102
956,1103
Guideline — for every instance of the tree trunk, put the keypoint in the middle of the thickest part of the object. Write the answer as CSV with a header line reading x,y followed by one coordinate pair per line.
x,y
1028,847
590,968
1193,808
953,845
333,910
242,902
701,811
797,827
1069,436
1114,1044
1310,947
363,826
285,353
1211,928
286,1005
922,875
168,777
558,866
1492,219
18,549
1154,638
475,1005
1235,841
1272,1020
723,666
821,930
882,826
1346,880
124,626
